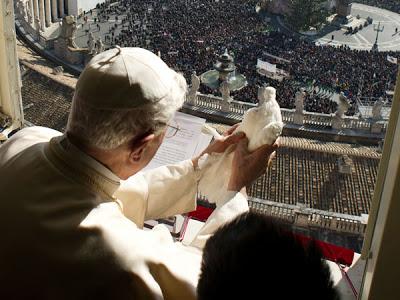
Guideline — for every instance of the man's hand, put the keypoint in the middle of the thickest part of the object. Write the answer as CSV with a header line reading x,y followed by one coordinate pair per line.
x,y
248,166
221,144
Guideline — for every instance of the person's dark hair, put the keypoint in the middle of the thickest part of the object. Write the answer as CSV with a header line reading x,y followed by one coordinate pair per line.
x,y
258,257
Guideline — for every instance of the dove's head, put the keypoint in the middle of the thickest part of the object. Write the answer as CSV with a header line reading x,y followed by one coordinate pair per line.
x,y
266,94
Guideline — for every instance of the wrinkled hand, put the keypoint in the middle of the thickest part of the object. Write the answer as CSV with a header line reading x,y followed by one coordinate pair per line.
x,y
221,144
248,166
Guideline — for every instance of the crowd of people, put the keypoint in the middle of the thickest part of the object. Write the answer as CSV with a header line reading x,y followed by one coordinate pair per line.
x,y
189,35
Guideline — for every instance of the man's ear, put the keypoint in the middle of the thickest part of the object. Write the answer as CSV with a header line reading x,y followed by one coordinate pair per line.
x,y
137,147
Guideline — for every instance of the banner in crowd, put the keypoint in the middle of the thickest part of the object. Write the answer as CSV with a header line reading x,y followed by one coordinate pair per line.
x,y
279,59
392,59
264,65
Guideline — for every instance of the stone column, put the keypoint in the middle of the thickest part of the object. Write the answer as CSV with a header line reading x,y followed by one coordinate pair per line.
x,y
35,9
30,4
41,15
54,13
48,13
61,8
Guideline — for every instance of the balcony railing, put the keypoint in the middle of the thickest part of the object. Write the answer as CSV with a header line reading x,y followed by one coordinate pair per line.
x,y
307,217
236,109
304,217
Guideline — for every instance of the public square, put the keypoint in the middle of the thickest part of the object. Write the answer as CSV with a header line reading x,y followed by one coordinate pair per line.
x,y
364,39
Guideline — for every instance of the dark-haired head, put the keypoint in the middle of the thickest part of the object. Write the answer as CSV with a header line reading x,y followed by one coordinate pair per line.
x,y
258,257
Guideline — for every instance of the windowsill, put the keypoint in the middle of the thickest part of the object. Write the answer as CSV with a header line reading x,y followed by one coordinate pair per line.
x,y
354,273
5,133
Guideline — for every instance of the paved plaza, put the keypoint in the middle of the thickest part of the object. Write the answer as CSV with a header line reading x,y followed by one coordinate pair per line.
x,y
187,43
99,29
364,39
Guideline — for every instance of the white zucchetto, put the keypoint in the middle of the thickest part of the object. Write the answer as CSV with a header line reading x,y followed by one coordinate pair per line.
x,y
125,78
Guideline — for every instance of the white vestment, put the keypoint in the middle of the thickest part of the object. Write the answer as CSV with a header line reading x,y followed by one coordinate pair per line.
x,y
72,230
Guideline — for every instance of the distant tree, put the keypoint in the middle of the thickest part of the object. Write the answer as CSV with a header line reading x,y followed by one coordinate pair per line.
x,y
306,13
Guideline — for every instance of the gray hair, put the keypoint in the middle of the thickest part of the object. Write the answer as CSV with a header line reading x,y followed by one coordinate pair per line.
x,y
107,129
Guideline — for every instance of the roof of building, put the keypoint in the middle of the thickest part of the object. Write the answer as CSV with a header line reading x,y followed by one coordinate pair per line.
x,y
46,102
312,178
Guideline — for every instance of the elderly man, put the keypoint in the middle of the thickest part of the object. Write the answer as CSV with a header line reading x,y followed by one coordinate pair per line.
x,y
71,209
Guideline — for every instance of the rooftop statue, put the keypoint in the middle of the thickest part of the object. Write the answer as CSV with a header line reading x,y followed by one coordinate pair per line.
x,y
225,91
343,106
377,109
68,31
21,9
262,126
194,88
299,102
91,43
65,46
99,46
195,81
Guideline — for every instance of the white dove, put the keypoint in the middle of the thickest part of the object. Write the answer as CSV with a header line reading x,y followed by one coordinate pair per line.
x,y
262,125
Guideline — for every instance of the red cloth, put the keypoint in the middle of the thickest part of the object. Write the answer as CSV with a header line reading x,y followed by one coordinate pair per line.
x,y
329,251
201,213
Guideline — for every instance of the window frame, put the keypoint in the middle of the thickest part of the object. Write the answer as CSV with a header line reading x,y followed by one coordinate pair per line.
x,y
10,77
381,246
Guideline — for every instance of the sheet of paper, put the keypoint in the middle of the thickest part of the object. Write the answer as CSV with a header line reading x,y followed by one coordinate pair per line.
x,y
204,141
192,230
187,142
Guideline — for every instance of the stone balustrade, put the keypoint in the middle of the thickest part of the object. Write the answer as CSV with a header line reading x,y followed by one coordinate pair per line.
x,y
287,115
209,101
307,217
310,119
317,119
240,107
30,33
304,217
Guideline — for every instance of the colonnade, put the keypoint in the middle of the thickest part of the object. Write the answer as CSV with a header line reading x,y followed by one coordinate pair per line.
x,y
46,11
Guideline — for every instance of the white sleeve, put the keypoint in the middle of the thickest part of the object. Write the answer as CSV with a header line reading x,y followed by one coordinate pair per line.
x,y
159,193
234,205
26,138
151,256
171,190
132,194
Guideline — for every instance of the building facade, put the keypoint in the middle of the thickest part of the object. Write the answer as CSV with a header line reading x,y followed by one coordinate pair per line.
x,y
45,12
77,7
